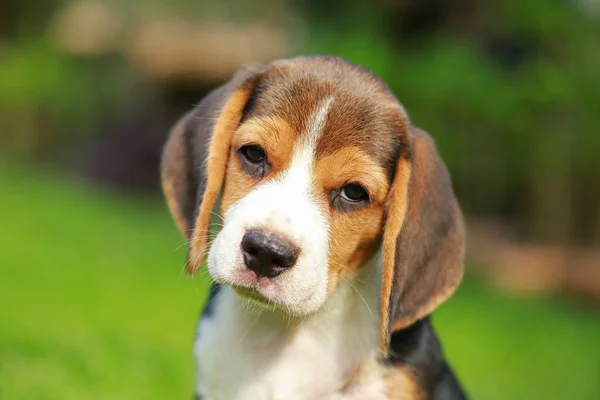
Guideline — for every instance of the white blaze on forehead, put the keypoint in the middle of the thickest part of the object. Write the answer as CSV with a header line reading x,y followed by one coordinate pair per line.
x,y
300,169
317,123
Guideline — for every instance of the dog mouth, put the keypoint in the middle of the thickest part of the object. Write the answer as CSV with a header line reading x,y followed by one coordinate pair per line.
x,y
254,295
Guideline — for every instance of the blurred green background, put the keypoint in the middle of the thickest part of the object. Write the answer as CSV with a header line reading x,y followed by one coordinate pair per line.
x,y
94,303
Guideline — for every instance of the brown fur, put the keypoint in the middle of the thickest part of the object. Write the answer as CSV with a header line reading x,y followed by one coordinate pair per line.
x,y
364,113
352,164
174,185
395,218
402,384
272,134
216,167
354,235
429,250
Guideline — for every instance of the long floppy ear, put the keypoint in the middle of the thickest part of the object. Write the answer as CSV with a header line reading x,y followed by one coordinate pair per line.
x,y
195,158
423,241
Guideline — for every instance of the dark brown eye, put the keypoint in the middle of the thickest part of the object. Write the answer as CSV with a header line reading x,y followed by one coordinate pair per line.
x,y
355,193
253,160
253,154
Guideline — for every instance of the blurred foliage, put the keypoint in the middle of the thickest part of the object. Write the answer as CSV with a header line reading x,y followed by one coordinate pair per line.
x,y
509,89
48,98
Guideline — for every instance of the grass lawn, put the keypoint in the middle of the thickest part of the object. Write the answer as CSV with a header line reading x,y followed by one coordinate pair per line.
x,y
94,305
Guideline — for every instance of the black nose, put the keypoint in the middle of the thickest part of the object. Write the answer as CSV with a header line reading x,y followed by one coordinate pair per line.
x,y
266,253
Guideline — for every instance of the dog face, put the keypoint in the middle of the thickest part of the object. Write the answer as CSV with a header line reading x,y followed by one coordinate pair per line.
x,y
318,166
306,174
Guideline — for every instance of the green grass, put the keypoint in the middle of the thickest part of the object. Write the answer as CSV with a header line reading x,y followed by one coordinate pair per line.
x,y
94,305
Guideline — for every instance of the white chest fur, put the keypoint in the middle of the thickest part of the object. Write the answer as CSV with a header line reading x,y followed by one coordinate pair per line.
x,y
248,354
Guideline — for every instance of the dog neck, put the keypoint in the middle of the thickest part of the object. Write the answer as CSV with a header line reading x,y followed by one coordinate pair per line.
x,y
261,349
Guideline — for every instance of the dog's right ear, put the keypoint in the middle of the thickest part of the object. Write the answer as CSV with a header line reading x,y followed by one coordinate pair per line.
x,y
195,159
423,240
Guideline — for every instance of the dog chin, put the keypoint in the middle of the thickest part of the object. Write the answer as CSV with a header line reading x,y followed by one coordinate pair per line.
x,y
269,294
256,297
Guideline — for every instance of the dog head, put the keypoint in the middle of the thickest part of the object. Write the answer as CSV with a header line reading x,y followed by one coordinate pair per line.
x,y
318,166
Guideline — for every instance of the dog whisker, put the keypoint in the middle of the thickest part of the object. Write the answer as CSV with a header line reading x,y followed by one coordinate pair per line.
x,y
218,215
352,285
185,243
359,294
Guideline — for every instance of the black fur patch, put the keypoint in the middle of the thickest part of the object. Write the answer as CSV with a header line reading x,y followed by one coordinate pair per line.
x,y
418,348
209,307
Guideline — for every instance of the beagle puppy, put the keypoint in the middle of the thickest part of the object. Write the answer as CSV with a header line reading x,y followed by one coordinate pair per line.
x,y
340,235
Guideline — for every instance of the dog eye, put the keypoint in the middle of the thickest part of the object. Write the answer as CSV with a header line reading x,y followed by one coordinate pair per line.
x,y
253,160
354,192
253,154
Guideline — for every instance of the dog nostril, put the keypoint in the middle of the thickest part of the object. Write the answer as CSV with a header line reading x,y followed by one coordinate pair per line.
x,y
285,261
266,253
250,250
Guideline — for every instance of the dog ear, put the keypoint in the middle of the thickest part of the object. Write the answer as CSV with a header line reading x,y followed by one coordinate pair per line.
x,y
195,159
423,241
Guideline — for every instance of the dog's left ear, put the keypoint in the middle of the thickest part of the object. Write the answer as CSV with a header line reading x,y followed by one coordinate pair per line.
x,y
423,241
195,159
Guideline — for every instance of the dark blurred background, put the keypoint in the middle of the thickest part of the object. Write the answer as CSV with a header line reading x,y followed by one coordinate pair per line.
x,y
94,301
